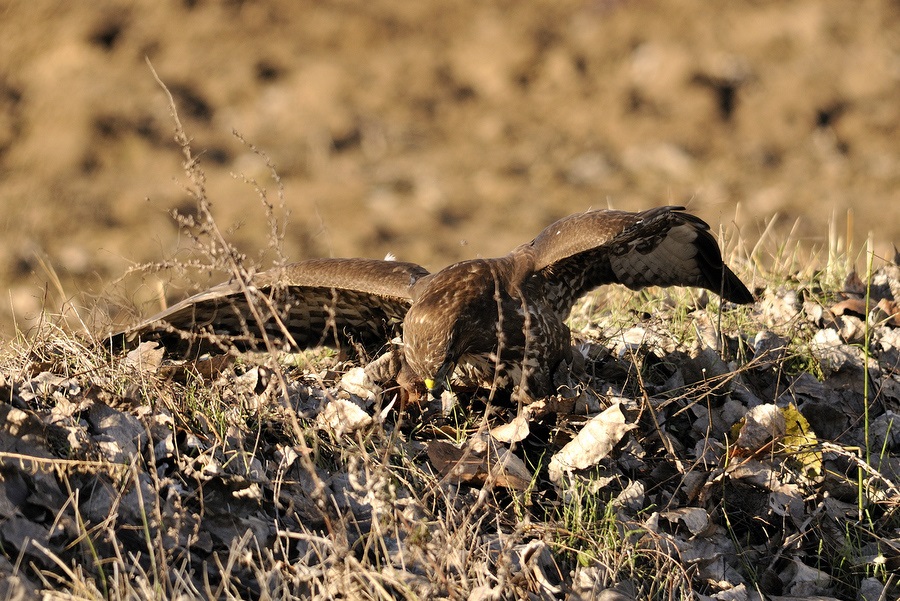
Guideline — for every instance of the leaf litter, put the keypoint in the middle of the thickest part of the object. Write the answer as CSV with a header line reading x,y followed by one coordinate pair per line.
x,y
739,467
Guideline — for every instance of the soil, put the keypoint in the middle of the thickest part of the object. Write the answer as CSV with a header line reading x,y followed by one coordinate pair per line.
x,y
436,131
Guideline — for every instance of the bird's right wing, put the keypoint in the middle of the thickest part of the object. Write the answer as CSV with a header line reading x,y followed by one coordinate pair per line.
x,y
663,246
321,302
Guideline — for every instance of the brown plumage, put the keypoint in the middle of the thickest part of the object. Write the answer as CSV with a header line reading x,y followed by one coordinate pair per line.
x,y
487,322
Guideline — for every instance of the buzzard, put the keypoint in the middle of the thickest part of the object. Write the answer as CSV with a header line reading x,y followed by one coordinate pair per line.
x,y
483,322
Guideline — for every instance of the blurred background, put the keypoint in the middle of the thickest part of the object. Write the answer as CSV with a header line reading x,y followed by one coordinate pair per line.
x,y
437,131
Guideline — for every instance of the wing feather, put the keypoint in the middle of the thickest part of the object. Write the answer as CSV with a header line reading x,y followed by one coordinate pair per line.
x,y
330,302
659,247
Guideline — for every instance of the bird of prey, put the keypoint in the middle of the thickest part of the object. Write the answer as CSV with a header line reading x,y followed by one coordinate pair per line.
x,y
483,322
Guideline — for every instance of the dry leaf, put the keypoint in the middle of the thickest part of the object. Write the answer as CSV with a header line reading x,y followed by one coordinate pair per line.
x,y
358,382
632,497
763,424
595,441
804,580
341,417
800,442
787,500
853,284
207,369
887,311
146,358
832,353
457,464
851,306
695,519
535,562
769,349
779,307
754,472
477,463
514,431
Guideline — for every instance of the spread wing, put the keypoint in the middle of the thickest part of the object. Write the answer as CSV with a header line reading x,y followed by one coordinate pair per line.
x,y
330,302
659,247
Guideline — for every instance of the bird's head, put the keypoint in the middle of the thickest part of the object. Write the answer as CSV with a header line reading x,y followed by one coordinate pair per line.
x,y
430,356
443,320
431,347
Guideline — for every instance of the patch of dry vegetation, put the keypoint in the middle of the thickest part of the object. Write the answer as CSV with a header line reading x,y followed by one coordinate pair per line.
x,y
694,452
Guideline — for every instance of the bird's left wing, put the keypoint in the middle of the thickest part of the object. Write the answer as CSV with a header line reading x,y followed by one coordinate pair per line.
x,y
663,246
321,302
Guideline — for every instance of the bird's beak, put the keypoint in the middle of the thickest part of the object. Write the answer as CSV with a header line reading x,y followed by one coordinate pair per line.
x,y
436,385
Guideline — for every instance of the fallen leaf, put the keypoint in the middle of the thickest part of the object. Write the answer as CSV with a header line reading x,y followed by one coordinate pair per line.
x,y
146,358
853,284
632,497
458,464
786,500
478,461
888,311
851,306
358,382
800,442
769,349
779,307
595,441
341,416
761,426
804,580
514,431
756,473
535,562
833,354
695,519
207,369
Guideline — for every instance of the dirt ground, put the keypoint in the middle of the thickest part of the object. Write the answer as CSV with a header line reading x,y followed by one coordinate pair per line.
x,y
433,130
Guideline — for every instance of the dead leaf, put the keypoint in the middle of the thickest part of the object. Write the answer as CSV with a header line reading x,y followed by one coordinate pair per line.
x,y
458,464
207,369
756,473
477,463
146,358
852,328
762,425
535,561
833,354
853,284
769,349
800,442
851,306
695,519
19,534
632,497
514,431
557,404
358,382
341,416
594,442
122,430
803,580
693,483
779,307
887,311
787,500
